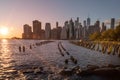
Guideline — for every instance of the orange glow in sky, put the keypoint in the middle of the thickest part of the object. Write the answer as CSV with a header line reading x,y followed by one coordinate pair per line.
x,y
4,31
9,32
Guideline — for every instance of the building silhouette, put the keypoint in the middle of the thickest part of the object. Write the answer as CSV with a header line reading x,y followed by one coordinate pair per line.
x,y
112,26
64,33
36,29
84,23
27,32
42,34
97,26
47,31
59,29
85,29
103,27
71,30
88,22
54,33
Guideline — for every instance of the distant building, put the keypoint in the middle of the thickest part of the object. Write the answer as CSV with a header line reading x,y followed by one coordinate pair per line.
x,y
59,29
54,33
76,28
97,26
71,29
42,34
84,23
64,33
85,29
36,29
103,27
27,32
56,24
91,30
112,23
88,22
66,24
47,31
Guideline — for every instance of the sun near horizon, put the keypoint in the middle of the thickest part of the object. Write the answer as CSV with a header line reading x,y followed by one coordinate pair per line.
x,y
4,31
7,32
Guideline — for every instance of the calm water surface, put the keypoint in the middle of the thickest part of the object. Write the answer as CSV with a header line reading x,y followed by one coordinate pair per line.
x,y
16,65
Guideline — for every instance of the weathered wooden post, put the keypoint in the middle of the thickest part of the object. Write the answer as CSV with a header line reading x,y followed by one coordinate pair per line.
x,y
30,46
23,48
19,48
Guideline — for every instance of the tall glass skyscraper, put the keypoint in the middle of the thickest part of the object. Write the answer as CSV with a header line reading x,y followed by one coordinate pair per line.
x,y
112,23
88,22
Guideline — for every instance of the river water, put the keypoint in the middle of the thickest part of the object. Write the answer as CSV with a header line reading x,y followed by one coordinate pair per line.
x,y
40,62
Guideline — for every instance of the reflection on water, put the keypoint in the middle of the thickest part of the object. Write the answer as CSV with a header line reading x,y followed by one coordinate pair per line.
x,y
5,58
13,63
37,62
5,53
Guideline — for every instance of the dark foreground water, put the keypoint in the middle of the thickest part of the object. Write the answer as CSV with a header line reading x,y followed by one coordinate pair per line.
x,y
45,60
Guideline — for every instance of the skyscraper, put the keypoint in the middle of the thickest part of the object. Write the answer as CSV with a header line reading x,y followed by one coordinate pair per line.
x,y
27,32
103,27
64,33
97,26
85,29
112,23
56,24
77,19
36,26
54,33
36,29
71,28
57,34
88,22
42,34
84,23
77,29
47,30
59,29
67,29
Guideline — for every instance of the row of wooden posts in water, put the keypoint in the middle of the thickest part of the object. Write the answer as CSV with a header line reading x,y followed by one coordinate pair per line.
x,y
23,48
62,50
104,47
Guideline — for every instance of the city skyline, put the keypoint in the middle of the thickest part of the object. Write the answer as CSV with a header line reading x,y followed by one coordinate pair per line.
x,y
16,13
72,30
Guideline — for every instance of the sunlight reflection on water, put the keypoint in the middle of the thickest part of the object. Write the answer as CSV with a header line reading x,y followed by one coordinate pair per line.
x,y
5,57
14,63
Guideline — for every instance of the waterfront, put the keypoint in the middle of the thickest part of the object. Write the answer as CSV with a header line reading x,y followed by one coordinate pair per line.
x,y
45,59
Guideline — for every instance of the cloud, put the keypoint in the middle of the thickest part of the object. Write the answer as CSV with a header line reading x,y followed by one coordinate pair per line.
x,y
108,22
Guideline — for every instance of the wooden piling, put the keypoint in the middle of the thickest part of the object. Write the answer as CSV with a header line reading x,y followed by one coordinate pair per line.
x,y
19,48
23,48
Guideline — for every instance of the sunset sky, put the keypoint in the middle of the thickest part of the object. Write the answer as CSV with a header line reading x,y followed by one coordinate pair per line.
x,y
15,13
